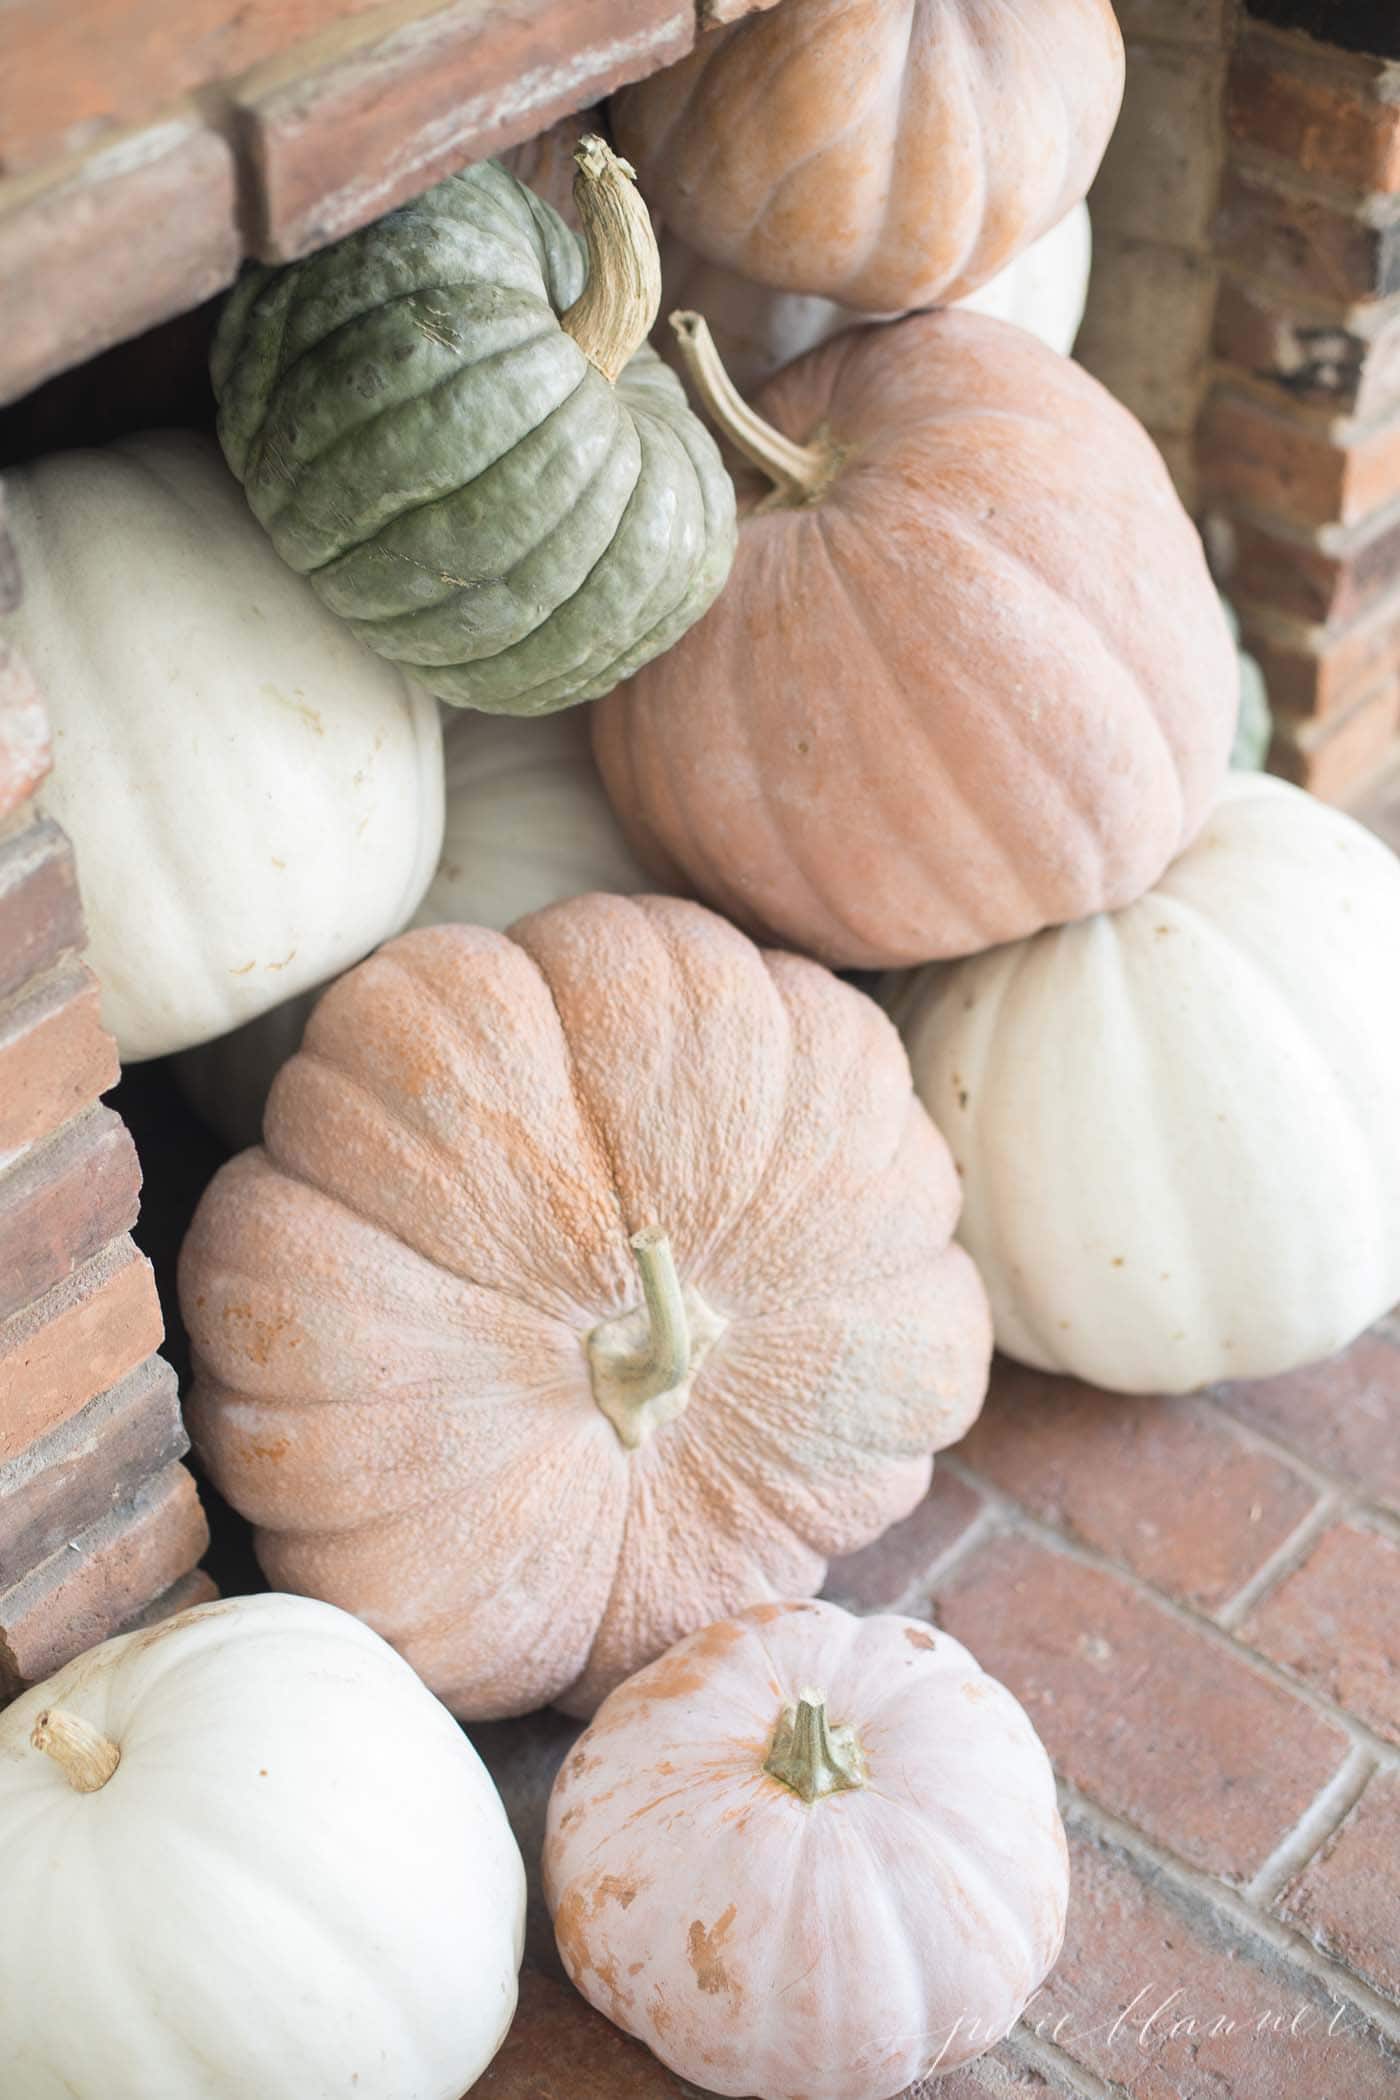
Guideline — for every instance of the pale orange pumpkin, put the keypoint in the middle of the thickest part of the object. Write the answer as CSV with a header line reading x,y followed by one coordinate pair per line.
x,y
886,153
969,676
427,1371
808,1856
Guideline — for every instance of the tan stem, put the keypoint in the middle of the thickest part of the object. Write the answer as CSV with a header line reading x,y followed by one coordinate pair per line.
x,y
666,1363
86,1757
796,471
809,1755
616,310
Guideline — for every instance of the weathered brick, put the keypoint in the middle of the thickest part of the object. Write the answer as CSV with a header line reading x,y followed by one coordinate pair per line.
x,y
25,756
1166,1999
192,1589
1307,575
1332,757
1147,327
1341,123
69,75
77,1340
523,1757
136,232
1165,1726
1161,173
55,1055
876,1578
91,1464
61,1202
1342,1416
335,148
1354,25
1168,1487
1347,1898
1322,671
1350,365
1304,244
89,1589
40,914
1283,466
558,2048
1333,1622
713,12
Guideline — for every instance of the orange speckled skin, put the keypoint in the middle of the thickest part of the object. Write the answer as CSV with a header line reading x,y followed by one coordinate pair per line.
x,y
886,153
388,1299
982,684
831,1950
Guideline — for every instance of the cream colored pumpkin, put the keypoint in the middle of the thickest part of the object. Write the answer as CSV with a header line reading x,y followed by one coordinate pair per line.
x,y
1178,1125
527,825
254,799
808,1856
247,1854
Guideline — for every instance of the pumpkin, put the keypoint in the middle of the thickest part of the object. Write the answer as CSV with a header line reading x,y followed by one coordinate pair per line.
x,y
254,800
472,456
884,153
527,824
1178,1125
591,1280
808,1856
1254,722
757,329
246,1853
957,688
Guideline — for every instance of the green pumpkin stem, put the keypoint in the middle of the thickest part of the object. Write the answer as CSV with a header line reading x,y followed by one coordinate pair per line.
x,y
809,1755
615,312
86,1757
797,472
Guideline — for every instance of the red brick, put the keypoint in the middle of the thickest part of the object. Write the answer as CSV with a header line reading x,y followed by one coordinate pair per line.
x,y
61,1203
135,233
1350,366
558,2048
1167,1999
1331,757
1302,244
336,148
876,1578
1333,1622
1333,124
1322,671
1168,1487
55,1055
523,1757
1280,465
25,756
40,915
192,1589
70,74
1163,1725
1347,1899
76,1340
1297,575
86,1591
91,1464
1342,1416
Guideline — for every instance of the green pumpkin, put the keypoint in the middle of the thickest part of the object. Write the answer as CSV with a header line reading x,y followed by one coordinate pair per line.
x,y
1254,724
424,421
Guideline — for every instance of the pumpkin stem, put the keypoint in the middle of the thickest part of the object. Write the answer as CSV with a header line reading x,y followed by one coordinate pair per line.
x,y
642,1363
811,1756
85,1756
798,472
614,314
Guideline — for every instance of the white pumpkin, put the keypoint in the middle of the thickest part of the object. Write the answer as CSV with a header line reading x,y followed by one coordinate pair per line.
x,y
246,1852
757,329
527,825
255,800
1178,1125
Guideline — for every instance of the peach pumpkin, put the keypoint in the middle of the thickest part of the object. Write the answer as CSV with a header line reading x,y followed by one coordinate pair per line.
x,y
886,153
425,1366
969,676
808,1856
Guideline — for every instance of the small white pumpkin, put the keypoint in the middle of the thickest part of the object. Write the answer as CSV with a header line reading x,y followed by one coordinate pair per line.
x,y
527,825
254,799
1178,1125
246,1852
757,329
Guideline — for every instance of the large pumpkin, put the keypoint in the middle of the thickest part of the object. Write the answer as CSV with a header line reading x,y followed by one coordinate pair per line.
x,y
474,458
969,676
591,1281
1178,1125
885,153
255,801
808,1856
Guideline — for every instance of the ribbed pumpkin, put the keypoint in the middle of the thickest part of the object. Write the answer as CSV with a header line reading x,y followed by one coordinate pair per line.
x,y
440,426
969,677
886,153
592,1280
1178,1126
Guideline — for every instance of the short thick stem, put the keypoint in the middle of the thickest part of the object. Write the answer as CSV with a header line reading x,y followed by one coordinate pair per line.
x,y
616,310
798,472
809,1755
86,1757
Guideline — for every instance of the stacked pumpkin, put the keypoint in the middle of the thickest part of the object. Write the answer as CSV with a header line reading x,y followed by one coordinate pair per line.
x,y
595,1281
